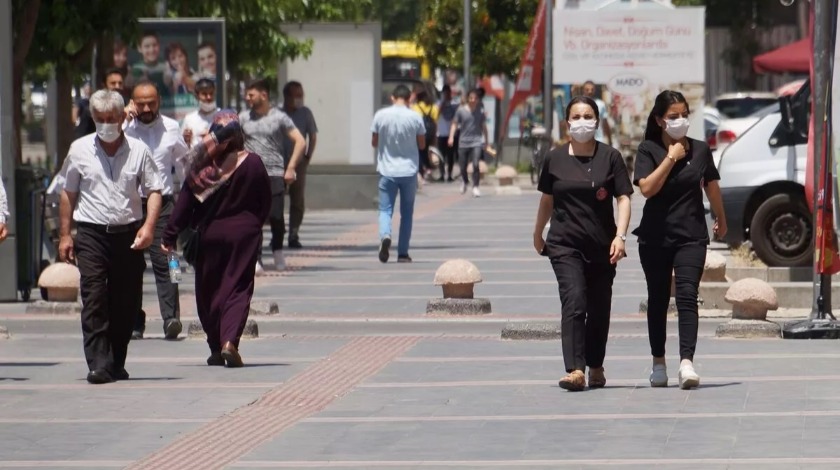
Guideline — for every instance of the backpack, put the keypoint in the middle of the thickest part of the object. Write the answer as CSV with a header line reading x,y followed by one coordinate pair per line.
x,y
431,125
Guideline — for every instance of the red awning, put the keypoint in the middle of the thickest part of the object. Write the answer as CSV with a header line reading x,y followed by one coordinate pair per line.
x,y
793,58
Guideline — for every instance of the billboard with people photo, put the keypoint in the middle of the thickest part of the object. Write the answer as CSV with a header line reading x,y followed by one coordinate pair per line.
x,y
174,55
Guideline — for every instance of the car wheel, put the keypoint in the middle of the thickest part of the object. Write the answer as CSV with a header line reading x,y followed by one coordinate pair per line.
x,y
781,231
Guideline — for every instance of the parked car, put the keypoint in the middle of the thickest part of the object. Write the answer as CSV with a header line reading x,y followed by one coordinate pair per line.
x,y
730,129
711,121
742,104
763,184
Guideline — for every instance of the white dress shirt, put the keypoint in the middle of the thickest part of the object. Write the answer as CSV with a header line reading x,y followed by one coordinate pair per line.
x,y
163,136
199,123
109,187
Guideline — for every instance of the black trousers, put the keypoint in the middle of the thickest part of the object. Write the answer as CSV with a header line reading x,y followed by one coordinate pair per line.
x,y
276,215
297,202
112,293
465,157
448,154
586,298
170,305
686,263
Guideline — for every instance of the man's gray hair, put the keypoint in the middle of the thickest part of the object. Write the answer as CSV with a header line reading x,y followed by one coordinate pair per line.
x,y
107,102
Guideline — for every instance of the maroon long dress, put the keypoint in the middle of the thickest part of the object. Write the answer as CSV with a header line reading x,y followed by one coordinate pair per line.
x,y
230,244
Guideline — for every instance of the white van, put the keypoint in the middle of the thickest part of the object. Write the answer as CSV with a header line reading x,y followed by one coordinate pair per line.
x,y
763,184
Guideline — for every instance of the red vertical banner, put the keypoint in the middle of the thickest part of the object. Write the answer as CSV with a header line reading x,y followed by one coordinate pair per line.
x,y
529,80
826,257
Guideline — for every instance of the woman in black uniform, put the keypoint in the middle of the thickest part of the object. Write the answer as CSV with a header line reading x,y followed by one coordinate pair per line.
x,y
579,181
672,171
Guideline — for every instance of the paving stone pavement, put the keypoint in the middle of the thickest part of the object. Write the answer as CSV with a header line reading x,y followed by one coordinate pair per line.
x,y
353,374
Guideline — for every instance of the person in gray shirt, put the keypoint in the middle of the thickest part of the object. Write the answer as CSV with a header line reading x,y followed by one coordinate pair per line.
x,y
472,123
305,122
266,130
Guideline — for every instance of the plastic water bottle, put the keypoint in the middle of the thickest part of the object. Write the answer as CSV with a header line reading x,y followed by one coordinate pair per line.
x,y
174,268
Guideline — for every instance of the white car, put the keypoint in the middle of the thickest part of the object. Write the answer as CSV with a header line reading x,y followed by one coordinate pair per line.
x,y
737,111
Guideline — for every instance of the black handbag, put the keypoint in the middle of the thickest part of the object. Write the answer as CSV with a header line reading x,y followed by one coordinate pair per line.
x,y
192,235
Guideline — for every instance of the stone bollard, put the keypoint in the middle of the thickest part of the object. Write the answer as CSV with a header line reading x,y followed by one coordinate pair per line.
x,y
457,278
506,175
4,332
61,281
251,330
715,268
751,299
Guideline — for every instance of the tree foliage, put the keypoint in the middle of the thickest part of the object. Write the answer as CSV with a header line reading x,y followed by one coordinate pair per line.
x,y
255,42
499,33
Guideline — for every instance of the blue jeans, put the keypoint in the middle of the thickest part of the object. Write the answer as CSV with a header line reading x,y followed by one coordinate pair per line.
x,y
388,188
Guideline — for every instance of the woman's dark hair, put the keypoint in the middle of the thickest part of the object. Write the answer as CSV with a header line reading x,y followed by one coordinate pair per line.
x,y
660,107
423,95
583,100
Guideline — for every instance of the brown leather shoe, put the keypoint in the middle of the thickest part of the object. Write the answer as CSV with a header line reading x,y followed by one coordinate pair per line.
x,y
575,381
231,355
596,377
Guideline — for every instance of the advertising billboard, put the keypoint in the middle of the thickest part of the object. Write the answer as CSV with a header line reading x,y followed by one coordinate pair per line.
x,y
174,54
632,56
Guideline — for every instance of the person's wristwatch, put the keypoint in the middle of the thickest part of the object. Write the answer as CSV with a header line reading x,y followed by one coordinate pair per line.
x,y
622,237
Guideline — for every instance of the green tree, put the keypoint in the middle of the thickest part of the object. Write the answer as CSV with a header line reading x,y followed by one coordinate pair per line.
x,y
61,35
399,18
499,30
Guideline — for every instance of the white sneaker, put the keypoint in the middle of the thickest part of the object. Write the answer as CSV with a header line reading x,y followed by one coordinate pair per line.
x,y
463,188
688,377
476,192
259,271
659,376
279,261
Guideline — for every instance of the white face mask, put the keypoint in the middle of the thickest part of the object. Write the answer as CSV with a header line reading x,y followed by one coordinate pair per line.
x,y
677,128
583,130
298,103
208,107
107,132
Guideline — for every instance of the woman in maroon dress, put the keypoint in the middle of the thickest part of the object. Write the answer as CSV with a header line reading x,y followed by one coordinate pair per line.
x,y
219,167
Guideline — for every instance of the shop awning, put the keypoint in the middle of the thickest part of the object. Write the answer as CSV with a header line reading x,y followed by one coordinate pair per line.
x,y
792,58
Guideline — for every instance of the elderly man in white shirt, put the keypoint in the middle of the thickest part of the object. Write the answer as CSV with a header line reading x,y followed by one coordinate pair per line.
x,y
4,212
163,136
107,173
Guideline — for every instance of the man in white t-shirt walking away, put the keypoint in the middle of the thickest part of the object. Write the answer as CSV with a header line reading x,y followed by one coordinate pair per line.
x,y
398,134
163,137
197,123
603,133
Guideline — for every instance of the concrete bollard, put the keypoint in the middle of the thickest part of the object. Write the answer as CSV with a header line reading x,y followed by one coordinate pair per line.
x,y
61,281
457,279
750,299
715,268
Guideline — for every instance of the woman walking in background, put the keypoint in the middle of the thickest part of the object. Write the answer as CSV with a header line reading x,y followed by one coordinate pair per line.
x,y
447,106
585,242
672,171
227,199
429,111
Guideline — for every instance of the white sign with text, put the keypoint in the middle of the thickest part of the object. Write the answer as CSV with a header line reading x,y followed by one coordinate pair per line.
x,y
659,45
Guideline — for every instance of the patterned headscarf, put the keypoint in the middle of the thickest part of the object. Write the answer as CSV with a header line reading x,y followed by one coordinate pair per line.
x,y
206,159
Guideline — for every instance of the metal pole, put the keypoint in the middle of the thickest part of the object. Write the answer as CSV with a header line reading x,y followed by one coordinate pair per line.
x,y
822,75
8,249
467,45
548,101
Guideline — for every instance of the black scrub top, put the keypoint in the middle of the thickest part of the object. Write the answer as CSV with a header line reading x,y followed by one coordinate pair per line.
x,y
675,215
583,189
